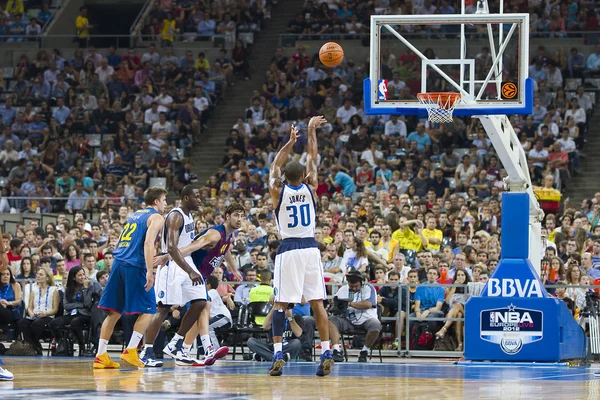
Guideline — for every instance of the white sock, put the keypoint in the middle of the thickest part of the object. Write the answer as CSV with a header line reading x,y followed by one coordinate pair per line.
x,y
187,347
176,338
277,347
206,343
365,348
337,347
148,346
102,347
325,346
135,340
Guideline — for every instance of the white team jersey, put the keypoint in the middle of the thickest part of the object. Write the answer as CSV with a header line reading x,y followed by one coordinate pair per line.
x,y
186,235
296,212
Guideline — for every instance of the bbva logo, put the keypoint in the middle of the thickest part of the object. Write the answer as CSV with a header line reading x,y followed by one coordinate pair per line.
x,y
514,288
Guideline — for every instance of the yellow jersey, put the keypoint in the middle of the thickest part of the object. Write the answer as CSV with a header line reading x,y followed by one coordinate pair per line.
x,y
204,65
81,24
168,30
435,234
407,239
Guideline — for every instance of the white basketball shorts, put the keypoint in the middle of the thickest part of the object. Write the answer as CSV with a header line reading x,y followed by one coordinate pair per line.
x,y
173,286
298,271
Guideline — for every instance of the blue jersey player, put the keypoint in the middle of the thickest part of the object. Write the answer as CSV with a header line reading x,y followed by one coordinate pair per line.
x,y
130,287
208,250
5,375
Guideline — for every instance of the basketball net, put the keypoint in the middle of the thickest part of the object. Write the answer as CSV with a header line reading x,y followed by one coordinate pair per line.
x,y
439,105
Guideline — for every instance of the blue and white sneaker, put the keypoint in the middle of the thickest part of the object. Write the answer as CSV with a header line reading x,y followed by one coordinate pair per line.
x,y
171,350
6,375
183,359
278,363
149,359
326,364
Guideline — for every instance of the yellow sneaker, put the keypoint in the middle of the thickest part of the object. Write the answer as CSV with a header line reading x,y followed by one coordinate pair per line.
x,y
131,356
103,361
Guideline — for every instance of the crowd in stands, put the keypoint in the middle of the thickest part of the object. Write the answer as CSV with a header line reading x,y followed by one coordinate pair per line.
x,y
170,21
400,199
22,20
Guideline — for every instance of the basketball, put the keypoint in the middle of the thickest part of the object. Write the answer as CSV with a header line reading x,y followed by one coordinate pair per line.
x,y
331,54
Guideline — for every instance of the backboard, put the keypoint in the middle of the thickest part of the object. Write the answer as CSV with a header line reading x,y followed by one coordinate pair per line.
x,y
482,56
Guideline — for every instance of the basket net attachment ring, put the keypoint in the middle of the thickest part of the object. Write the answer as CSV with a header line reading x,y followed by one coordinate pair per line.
x,y
439,105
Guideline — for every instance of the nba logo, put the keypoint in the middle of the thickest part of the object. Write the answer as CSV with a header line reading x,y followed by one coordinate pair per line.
x,y
492,317
382,90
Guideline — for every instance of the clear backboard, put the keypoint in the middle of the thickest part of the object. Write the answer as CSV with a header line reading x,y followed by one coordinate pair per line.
x,y
484,57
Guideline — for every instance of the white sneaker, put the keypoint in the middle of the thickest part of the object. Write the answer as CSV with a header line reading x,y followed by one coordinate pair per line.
x,y
6,375
182,359
171,348
148,358
213,356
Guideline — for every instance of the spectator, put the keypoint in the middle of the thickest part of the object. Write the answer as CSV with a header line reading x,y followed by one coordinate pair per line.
x,y
42,307
361,314
82,27
10,298
242,293
79,297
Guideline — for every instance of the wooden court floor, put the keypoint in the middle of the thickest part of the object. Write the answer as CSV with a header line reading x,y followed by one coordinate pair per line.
x,y
74,378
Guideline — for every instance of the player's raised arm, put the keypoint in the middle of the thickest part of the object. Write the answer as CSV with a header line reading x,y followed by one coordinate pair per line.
x,y
281,158
312,151
174,225
156,223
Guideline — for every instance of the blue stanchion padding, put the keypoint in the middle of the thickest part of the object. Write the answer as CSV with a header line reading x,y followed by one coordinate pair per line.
x,y
515,319
515,226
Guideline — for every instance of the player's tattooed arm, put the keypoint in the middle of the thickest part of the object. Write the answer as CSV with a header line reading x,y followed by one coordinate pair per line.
x,y
280,160
312,151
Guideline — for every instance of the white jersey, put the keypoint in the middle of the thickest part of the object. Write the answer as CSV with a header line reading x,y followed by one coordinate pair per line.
x,y
296,212
186,233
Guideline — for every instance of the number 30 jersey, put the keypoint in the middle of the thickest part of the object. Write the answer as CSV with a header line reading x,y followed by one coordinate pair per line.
x,y
130,249
296,212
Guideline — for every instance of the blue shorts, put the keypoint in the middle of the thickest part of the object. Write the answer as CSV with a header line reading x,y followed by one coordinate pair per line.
x,y
125,292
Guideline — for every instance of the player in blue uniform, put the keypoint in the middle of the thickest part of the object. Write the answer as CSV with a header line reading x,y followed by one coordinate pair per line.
x,y
298,270
208,250
5,375
130,287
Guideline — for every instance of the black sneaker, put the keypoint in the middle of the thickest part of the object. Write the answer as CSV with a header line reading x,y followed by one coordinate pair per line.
x,y
306,356
363,356
338,356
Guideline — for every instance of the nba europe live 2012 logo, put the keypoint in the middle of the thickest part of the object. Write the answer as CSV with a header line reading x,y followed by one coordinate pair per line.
x,y
511,327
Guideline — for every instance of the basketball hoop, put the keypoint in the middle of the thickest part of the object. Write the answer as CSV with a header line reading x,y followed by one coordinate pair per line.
x,y
439,105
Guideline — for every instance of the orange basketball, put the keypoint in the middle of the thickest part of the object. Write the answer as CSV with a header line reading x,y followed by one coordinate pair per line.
x,y
331,54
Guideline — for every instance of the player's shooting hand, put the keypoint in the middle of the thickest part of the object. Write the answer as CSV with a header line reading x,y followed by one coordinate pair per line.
x,y
195,277
149,280
317,121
